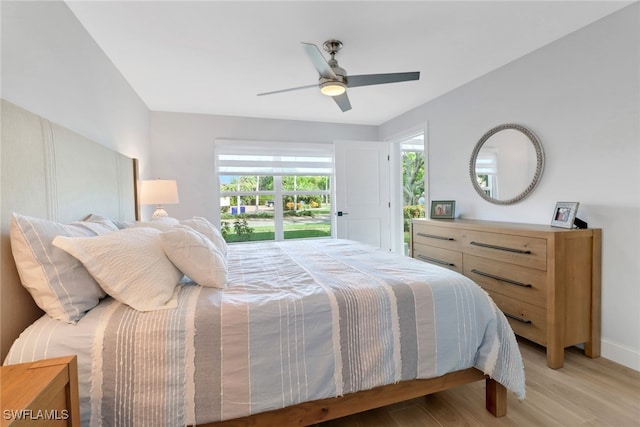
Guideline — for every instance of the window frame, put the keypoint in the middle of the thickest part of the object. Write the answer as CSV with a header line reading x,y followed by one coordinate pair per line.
x,y
282,158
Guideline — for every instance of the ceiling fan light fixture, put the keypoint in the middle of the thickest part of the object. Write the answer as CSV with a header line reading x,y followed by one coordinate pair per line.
x,y
333,79
333,88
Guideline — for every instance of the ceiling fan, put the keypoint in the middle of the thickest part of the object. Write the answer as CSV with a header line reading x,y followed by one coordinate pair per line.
x,y
334,80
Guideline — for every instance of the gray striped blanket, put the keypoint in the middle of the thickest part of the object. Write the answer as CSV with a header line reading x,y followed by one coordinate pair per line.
x,y
301,320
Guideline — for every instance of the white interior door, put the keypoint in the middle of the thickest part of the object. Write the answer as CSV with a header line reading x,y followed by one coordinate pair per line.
x,y
362,198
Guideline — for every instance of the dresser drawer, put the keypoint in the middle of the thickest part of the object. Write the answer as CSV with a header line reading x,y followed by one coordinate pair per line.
x,y
441,237
527,320
522,283
515,249
438,256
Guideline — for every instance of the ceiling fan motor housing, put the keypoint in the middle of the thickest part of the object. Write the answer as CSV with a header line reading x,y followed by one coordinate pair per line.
x,y
332,46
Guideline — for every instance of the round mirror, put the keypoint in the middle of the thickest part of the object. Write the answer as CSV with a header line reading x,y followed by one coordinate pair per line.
x,y
506,164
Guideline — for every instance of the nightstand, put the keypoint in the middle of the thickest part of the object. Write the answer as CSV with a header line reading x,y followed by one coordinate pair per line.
x,y
42,393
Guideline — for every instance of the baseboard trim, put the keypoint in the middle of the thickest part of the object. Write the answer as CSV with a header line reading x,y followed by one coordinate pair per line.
x,y
621,354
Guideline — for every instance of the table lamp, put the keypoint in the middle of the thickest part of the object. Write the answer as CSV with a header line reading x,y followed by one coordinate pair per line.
x,y
159,192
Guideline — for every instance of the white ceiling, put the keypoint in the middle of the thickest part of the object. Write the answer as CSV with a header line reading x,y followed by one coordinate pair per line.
x,y
213,57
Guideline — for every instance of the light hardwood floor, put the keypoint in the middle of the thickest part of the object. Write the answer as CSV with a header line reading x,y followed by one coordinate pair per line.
x,y
585,392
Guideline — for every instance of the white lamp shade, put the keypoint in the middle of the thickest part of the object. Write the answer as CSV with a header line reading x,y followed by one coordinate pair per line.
x,y
159,192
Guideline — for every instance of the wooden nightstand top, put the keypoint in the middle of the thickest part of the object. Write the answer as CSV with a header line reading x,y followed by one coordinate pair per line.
x,y
45,392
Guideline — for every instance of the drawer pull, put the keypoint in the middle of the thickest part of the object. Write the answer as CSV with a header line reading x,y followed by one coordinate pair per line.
x,y
502,279
433,236
437,261
517,318
501,248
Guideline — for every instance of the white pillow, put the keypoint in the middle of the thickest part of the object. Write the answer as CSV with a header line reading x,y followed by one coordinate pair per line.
x,y
196,256
203,226
158,225
57,282
168,220
118,224
129,265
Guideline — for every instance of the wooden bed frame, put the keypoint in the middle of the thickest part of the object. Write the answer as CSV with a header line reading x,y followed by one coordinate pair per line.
x,y
51,172
317,411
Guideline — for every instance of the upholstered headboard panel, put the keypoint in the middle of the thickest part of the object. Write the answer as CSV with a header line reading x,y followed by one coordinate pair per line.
x,y
50,172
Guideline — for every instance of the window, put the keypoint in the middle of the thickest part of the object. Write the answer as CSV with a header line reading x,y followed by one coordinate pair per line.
x,y
274,191
486,171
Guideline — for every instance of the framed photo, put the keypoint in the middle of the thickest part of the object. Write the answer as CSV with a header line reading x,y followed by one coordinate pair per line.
x,y
443,209
564,214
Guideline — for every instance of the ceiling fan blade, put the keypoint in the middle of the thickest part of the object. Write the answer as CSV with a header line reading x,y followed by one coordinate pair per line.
x,y
287,90
318,61
343,102
379,79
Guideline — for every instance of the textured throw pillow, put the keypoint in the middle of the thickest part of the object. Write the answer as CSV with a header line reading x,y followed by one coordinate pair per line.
x,y
118,224
203,226
57,282
168,220
129,265
158,225
196,256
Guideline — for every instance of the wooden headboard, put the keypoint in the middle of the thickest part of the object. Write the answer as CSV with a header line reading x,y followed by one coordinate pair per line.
x,y
50,172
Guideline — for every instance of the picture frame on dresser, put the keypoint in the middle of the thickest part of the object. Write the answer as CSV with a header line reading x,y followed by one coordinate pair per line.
x,y
564,214
443,209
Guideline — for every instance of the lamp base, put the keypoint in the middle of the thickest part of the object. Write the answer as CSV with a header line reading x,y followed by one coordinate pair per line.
x,y
159,213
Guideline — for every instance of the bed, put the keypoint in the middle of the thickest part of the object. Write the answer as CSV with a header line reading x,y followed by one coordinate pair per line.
x,y
302,331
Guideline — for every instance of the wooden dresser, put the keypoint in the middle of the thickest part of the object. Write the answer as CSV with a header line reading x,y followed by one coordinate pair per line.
x,y
546,280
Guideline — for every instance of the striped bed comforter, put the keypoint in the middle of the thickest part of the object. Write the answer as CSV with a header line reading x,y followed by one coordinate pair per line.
x,y
300,321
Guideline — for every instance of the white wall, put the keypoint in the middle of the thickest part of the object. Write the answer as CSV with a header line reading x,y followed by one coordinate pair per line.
x,y
52,67
183,149
581,97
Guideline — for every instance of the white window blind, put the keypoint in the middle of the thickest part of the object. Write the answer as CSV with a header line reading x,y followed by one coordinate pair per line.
x,y
238,157
487,163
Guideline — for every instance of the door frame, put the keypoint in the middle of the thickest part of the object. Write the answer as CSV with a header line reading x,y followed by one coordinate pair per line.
x,y
397,216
